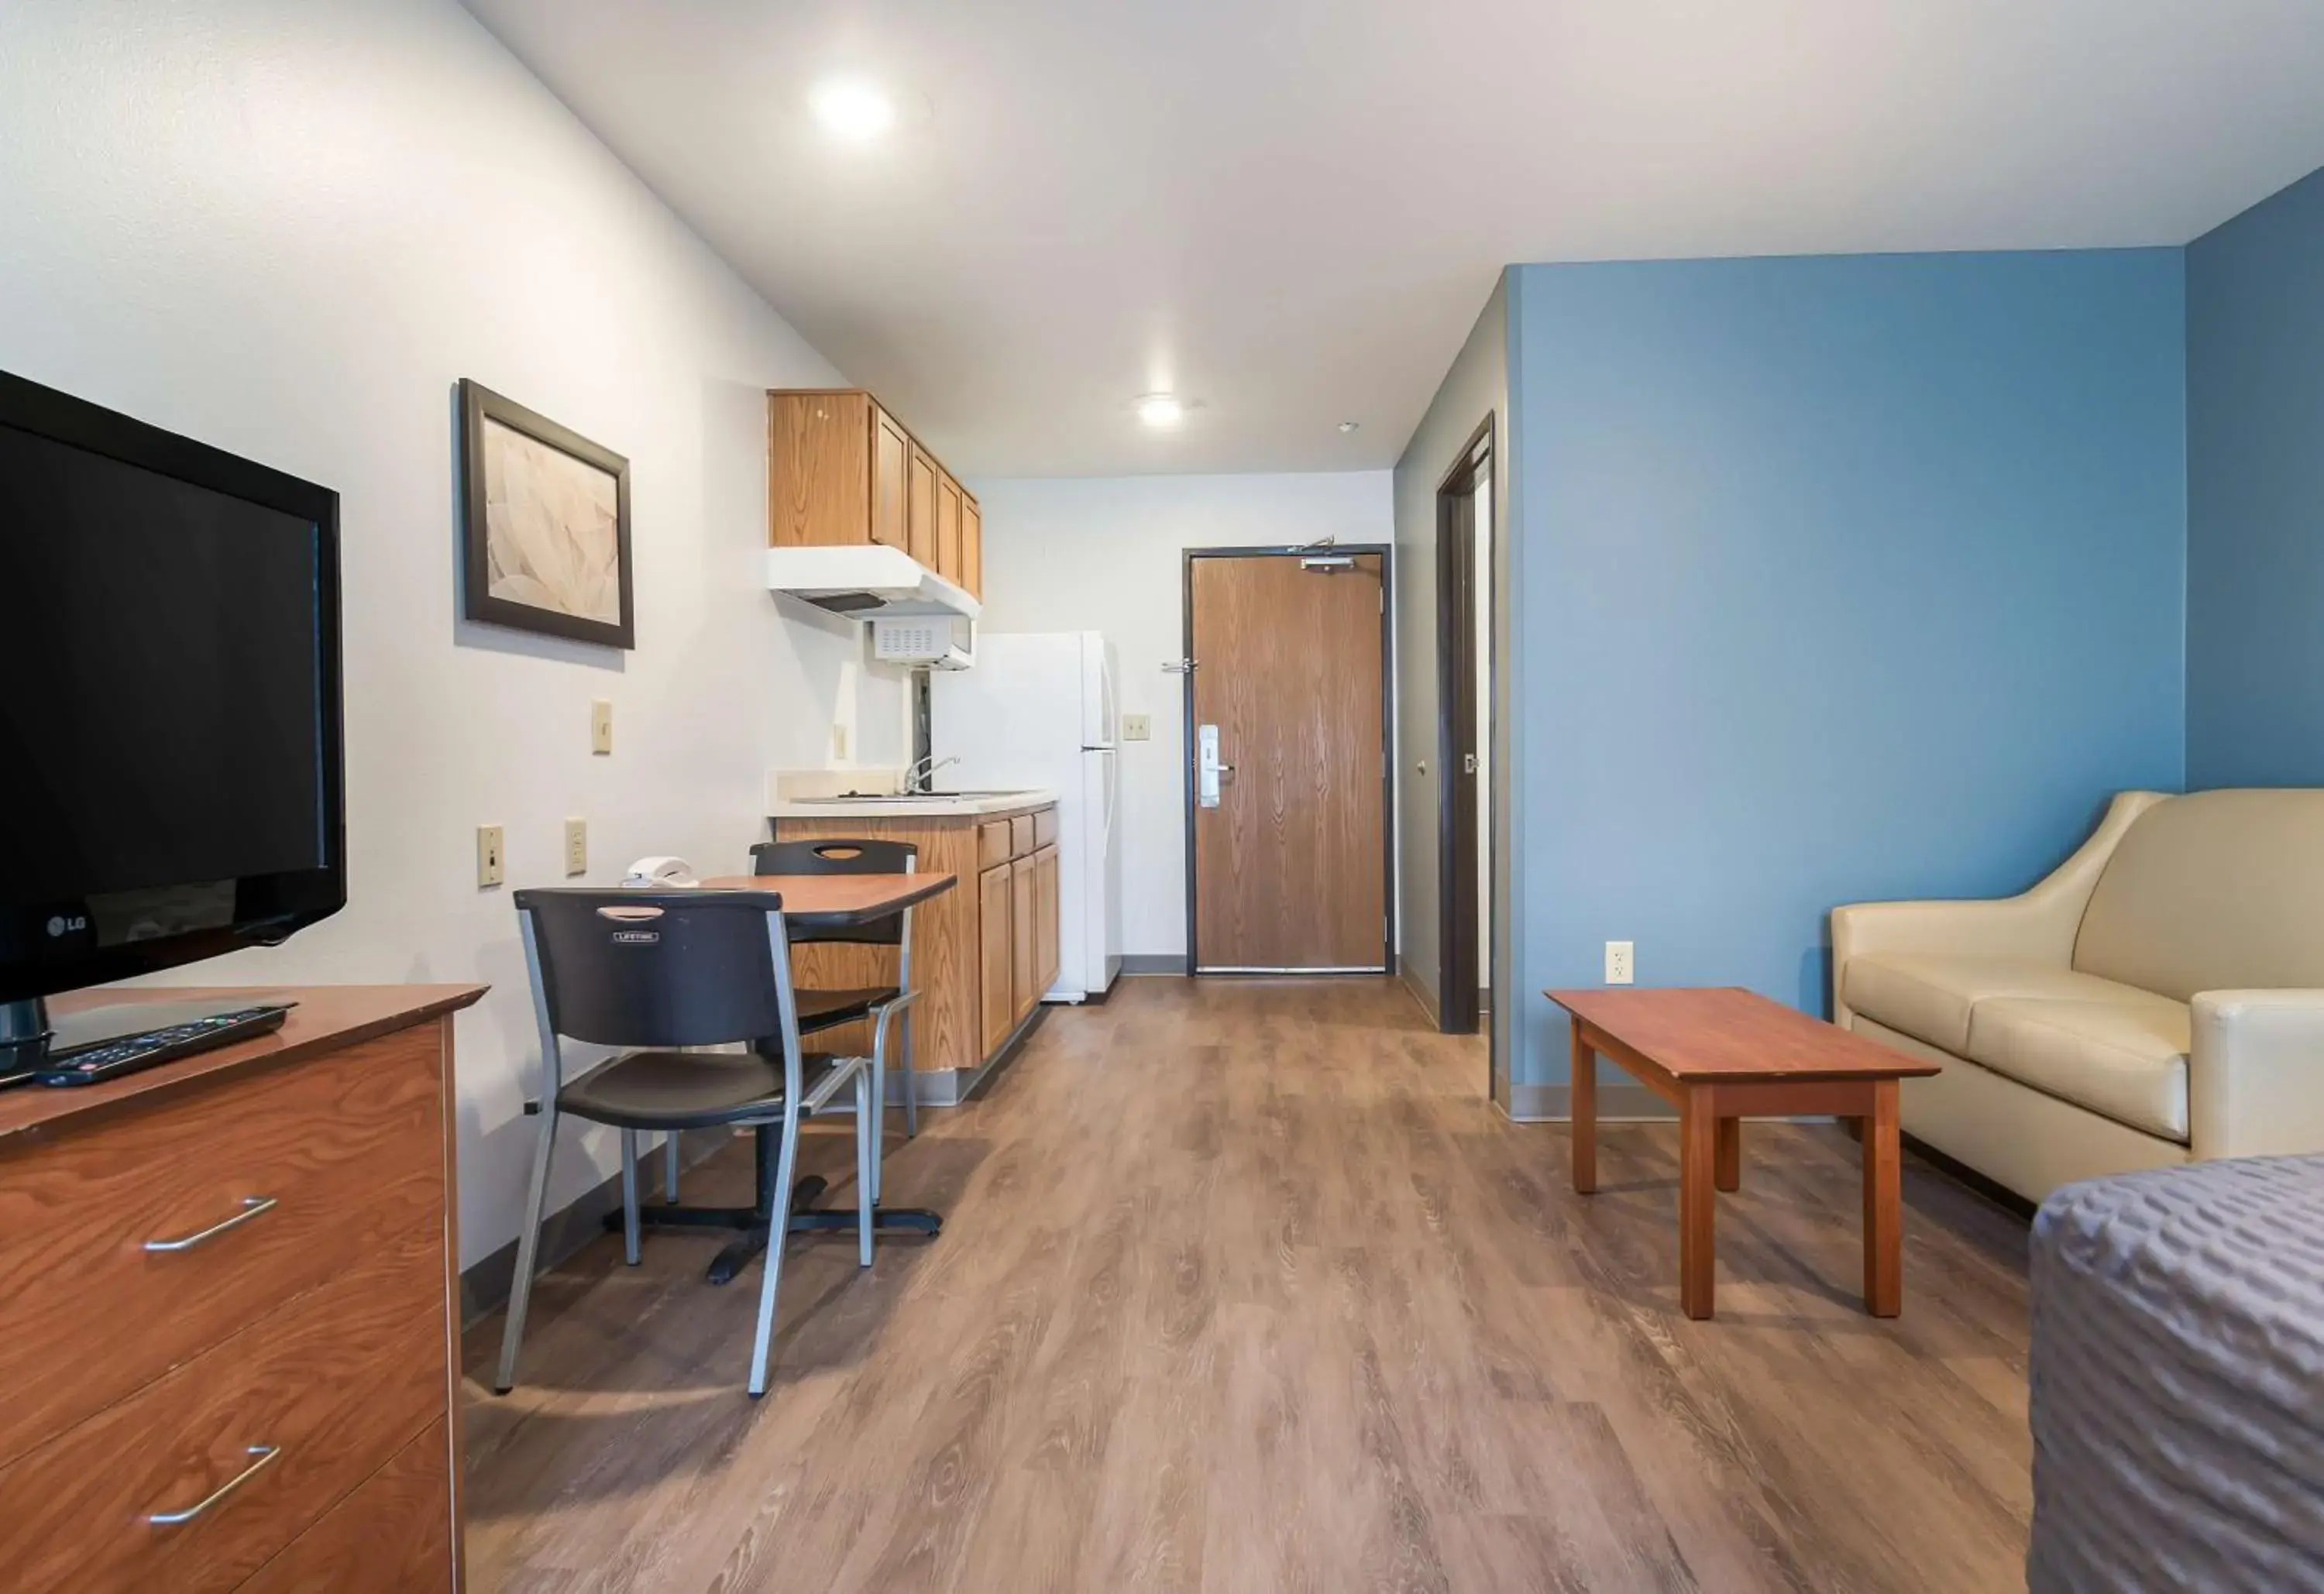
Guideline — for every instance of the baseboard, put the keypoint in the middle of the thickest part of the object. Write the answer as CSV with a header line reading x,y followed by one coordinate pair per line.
x,y
1616,1104
484,1287
950,1087
1969,1178
1420,993
1154,963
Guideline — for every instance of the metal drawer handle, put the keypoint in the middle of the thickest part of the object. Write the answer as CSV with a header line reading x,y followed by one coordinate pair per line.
x,y
264,1454
252,1205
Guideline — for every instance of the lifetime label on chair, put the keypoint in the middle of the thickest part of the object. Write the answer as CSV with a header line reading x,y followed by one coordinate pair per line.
x,y
636,937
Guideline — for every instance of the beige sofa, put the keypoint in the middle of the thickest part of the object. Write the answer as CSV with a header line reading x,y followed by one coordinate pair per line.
x,y
2158,1000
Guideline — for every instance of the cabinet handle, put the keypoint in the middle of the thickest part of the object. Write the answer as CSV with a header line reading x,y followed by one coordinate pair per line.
x,y
264,1454
252,1205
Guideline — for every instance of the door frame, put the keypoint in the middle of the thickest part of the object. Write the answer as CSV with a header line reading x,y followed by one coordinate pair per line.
x,y
1187,665
1460,959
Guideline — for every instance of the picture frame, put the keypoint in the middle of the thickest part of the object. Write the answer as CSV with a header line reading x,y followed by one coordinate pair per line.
x,y
545,533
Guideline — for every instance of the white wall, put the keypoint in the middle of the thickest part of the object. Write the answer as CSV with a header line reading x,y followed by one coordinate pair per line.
x,y
288,229
1104,554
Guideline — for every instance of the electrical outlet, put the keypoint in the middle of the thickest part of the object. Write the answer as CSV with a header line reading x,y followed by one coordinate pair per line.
x,y
576,846
1620,966
601,725
492,856
1136,727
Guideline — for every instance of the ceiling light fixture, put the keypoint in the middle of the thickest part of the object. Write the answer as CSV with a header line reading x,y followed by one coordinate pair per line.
x,y
852,109
1161,410
1348,426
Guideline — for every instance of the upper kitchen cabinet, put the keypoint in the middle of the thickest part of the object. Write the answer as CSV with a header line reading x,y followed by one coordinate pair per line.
x,y
843,472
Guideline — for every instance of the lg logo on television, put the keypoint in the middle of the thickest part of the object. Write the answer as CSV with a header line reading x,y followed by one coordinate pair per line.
x,y
63,924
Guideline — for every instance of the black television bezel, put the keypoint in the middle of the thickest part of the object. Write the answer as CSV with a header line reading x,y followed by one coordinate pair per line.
x,y
307,896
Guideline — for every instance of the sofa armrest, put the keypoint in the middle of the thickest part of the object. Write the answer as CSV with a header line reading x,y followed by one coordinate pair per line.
x,y
2256,1076
2036,925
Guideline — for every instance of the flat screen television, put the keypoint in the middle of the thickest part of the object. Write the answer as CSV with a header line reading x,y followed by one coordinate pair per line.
x,y
171,777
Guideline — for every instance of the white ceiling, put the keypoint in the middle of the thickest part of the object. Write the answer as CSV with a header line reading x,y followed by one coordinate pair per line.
x,y
1291,211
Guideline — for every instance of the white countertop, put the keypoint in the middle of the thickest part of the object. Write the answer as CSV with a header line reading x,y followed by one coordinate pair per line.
x,y
936,805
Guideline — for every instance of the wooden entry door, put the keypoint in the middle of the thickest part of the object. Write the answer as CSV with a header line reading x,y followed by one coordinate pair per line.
x,y
1289,867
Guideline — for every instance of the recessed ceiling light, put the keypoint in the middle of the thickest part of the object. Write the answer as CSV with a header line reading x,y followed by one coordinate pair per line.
x,y
1349,426
1161,409
852,109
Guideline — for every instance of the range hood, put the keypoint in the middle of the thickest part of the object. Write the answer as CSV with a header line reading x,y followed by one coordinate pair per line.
x,y
866,581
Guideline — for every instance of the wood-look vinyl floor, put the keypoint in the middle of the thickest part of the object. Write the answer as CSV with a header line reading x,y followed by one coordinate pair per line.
x,y
1245,1286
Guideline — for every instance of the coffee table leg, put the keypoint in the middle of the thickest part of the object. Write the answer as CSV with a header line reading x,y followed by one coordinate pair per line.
x,y
1698,1169
1583,1095
1884,1205
1731,1154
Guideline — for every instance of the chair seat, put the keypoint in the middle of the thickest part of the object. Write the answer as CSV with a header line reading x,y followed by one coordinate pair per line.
x,y
685,1089
820,1010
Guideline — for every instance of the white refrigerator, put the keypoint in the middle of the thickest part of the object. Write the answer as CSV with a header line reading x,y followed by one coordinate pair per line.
x,y
1037,710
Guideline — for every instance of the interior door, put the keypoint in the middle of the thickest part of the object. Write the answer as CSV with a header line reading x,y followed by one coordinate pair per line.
x,y
1289,782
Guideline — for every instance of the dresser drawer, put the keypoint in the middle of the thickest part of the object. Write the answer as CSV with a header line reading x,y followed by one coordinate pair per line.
x,y
1045,828
393,1536
333,1385
348,1148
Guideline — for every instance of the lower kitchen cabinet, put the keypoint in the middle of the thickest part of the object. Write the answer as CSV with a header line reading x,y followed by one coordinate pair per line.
x,y
996,939
982,954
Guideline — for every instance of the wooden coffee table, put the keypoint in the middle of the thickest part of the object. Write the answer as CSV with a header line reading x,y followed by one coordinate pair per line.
x,y
1721,1056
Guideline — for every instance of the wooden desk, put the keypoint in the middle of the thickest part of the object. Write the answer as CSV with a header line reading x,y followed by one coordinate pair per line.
x,y
231,1284
1719,1056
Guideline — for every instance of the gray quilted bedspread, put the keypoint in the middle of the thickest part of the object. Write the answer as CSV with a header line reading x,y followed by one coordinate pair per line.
x,y
2178,1380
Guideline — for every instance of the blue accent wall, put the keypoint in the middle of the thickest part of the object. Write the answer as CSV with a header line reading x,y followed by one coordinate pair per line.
x,y
2256,496
1840,578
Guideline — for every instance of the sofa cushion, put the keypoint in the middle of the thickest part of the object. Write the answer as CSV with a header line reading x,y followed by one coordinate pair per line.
x,y
2215,892
1930,998
2124,1057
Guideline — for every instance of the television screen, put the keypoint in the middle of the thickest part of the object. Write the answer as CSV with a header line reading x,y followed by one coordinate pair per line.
x,y
169,712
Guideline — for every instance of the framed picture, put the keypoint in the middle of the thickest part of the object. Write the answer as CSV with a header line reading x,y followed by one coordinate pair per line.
x,y
545,526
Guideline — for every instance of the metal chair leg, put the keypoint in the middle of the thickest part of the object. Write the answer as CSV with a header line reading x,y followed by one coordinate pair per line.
x,y
629,1196
867,1163
786,1170
669,1168
527,1251
911,1084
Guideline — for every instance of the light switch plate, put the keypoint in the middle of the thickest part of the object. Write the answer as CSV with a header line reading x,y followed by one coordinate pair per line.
x,y
576,846
492,856
1136,727
601,725
1620,965
839,742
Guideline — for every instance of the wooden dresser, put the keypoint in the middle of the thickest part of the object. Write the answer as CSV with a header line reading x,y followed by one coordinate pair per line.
x,y
229,1322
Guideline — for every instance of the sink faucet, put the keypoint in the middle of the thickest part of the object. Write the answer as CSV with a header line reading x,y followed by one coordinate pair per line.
x,y
921,777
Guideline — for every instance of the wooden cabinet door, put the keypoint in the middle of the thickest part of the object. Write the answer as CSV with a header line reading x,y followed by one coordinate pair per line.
x,y
920,513
1024,957
948,527
1045,920
972,546
892,466
997,945
818,474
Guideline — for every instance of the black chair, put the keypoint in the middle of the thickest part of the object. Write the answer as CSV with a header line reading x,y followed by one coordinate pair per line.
x,y
653,972
827,1010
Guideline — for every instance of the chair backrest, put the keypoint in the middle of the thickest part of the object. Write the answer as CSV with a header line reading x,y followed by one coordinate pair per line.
x,y
628,968
831,856
2218,890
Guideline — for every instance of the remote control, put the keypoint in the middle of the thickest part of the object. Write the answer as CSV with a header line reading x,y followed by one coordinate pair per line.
x,y
132,1052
